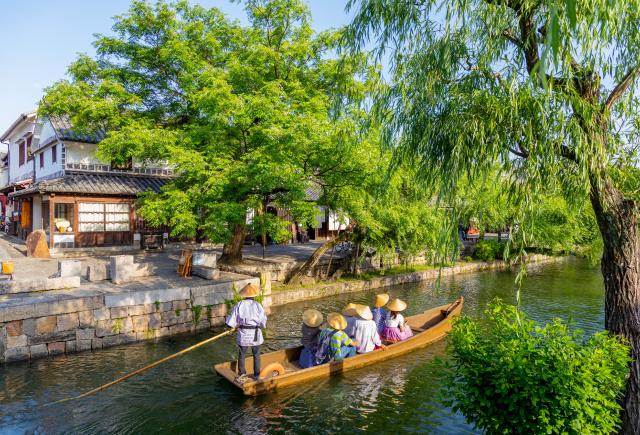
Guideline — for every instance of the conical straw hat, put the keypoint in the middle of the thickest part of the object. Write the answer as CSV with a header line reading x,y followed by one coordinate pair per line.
x,y
364,312
336,321
250,291
312,318
381,300
349,309
397,305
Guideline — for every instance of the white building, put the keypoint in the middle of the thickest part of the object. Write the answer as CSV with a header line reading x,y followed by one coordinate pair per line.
x,y
55,182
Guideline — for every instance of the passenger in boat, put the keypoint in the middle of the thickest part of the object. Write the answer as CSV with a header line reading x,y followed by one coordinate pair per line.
x,y
334,344
396,328
380,313
249,317
366,331
349,313
311,321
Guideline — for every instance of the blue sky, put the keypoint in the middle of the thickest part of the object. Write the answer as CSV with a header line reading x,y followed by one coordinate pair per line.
x,y
40,38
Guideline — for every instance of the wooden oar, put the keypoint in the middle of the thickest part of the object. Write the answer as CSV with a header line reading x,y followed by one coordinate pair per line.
x,y
147,367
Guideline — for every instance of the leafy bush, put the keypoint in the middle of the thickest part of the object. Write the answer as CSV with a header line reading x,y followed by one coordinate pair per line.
x,y
488,250
510,377
236,298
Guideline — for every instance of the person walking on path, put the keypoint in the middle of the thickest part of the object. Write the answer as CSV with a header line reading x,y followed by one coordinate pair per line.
x,y
249,317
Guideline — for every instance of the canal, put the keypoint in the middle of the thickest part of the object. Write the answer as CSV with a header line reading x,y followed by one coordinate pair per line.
x,y
185,396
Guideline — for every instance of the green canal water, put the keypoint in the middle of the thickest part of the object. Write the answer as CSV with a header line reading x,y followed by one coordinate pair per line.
x,y
185,395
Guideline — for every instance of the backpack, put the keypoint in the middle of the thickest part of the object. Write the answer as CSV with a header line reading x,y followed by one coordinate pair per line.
x,y
323,354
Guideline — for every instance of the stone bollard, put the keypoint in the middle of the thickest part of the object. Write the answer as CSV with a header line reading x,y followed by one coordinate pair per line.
x,y
121,268
68,268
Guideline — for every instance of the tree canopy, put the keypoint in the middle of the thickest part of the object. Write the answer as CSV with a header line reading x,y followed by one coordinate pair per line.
x,y
246,115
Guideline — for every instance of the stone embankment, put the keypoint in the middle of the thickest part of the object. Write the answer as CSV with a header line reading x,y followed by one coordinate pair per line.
x,y
54,322
323,290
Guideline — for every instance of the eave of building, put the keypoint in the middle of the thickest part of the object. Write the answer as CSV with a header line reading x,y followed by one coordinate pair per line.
x,y
22,118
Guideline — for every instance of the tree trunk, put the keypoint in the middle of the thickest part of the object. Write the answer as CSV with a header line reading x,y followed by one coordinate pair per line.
x,y
232,252
618,222
315,257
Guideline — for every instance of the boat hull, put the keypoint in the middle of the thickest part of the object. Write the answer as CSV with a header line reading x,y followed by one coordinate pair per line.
x,y
429,327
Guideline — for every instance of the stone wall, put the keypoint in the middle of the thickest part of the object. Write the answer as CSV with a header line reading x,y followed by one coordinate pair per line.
x,y
71,325
320,291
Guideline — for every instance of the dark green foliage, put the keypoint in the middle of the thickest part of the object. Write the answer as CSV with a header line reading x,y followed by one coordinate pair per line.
x,y
510,376
489,250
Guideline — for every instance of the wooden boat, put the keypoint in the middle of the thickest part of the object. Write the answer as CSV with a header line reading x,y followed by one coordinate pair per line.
x,y
428,327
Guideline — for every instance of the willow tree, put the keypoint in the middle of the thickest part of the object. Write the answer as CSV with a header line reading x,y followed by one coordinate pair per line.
x,y
245,114
546,88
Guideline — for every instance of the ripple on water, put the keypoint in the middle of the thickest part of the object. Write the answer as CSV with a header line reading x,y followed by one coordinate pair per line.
x,y
185,396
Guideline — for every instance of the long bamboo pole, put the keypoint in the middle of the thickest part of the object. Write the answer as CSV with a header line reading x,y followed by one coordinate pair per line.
x,y
147,367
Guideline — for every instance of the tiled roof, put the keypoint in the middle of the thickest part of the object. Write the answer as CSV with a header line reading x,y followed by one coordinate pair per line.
x,y
96,184
64,130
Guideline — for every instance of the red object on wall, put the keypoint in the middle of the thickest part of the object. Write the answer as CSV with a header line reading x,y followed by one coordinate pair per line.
x,y
3,202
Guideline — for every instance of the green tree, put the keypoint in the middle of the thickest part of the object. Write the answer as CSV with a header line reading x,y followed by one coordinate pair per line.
x,y
544,88
510,375
245,115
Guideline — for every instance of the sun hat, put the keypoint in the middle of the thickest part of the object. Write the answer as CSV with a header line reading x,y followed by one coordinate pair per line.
x,y
250,291
364,312
349,309
312,318
381,300
336,321
396,305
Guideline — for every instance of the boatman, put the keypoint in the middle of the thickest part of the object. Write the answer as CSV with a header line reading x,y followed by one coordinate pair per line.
x,y
249,317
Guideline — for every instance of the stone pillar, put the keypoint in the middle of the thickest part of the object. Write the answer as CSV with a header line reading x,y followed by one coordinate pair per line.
x,y
121,268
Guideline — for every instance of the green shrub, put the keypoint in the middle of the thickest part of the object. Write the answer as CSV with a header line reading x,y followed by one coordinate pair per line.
x,y
507,377
489,250
467,258
230,303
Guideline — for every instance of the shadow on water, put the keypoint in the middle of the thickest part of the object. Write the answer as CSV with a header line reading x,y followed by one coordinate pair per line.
x,y
185,395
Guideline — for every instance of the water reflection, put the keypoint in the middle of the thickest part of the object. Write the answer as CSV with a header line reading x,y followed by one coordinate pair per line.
x,y
185,396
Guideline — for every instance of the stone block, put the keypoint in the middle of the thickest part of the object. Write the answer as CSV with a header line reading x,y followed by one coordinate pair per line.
x,y
82,345
68,268
37,245
17,312
161,332
16,354
180,328
41,284
101,314
56,336
108,327
139,310
56,348
116,340
118,268
68,305
118,312
217,310
85,334
155,321
38,350
204,258
68,321
16,341
29,327
85,318
14,328
99,272
46,325
179,305
70,346
217,321
140,323
146,297
146,335
96,343
205,272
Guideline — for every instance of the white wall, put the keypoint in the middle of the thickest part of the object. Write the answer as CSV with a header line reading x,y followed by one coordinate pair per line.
x,y
46,132
49,168
85,153
17,172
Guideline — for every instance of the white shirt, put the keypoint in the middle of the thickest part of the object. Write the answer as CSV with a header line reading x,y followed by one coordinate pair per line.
x,y
250,313
394,323
366,334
